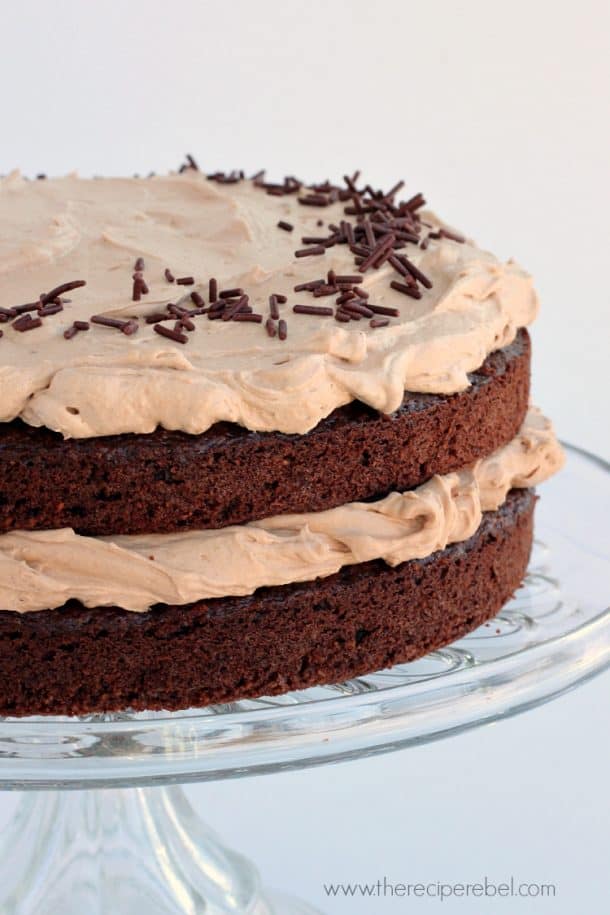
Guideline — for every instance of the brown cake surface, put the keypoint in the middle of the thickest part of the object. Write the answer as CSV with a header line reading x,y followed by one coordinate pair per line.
x,y
74,660
167,481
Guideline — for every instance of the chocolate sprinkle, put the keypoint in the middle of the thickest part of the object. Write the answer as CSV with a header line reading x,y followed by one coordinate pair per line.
x,y
379,322
325,290
138,288
308,252
311,310
446,233
314,200
234,308
185,280
130,327
345,297
382,310
174,335
107,322
158,316
30,306
406,289
286,226
347,279
169,276
26,322
358,308
177,310
52,309
310,286
415,272
59,290
399,266
317,240
282,330
256,318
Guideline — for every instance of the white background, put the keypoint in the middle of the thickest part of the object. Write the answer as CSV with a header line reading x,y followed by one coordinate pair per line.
x,y
499,113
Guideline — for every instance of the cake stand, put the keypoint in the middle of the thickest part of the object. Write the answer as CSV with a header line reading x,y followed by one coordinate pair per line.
x,y
138,846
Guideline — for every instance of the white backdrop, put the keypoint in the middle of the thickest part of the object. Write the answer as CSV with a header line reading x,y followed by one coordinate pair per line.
x,y
499,113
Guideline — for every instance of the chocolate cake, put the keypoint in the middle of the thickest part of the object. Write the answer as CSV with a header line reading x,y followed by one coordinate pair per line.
x,y
254,436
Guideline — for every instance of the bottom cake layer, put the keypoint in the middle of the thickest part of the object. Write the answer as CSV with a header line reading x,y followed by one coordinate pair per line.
x,y
74,660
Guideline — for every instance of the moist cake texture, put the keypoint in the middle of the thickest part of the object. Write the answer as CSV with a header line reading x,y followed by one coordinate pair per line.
x,y
254,436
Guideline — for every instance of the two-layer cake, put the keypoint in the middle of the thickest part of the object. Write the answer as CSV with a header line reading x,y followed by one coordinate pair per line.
x,y
254,436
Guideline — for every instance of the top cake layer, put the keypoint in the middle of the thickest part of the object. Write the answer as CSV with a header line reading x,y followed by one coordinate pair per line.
x,y
460,304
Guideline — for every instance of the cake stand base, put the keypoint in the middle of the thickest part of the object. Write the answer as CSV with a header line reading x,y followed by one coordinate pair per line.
x,y
125,851
143,851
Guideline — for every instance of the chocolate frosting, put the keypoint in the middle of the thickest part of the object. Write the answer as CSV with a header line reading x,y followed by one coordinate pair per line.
x,y
103,382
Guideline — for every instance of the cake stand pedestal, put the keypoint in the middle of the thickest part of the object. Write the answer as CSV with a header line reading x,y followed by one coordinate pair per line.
x,y
125,852
138,847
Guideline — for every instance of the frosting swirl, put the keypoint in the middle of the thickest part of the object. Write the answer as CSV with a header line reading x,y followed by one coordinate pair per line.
x,y
103,382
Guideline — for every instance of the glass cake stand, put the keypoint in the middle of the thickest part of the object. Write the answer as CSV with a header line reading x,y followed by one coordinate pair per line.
x,y
144,849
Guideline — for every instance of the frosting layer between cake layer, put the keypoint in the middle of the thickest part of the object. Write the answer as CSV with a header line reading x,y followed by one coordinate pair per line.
x,y
103,382
44,569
